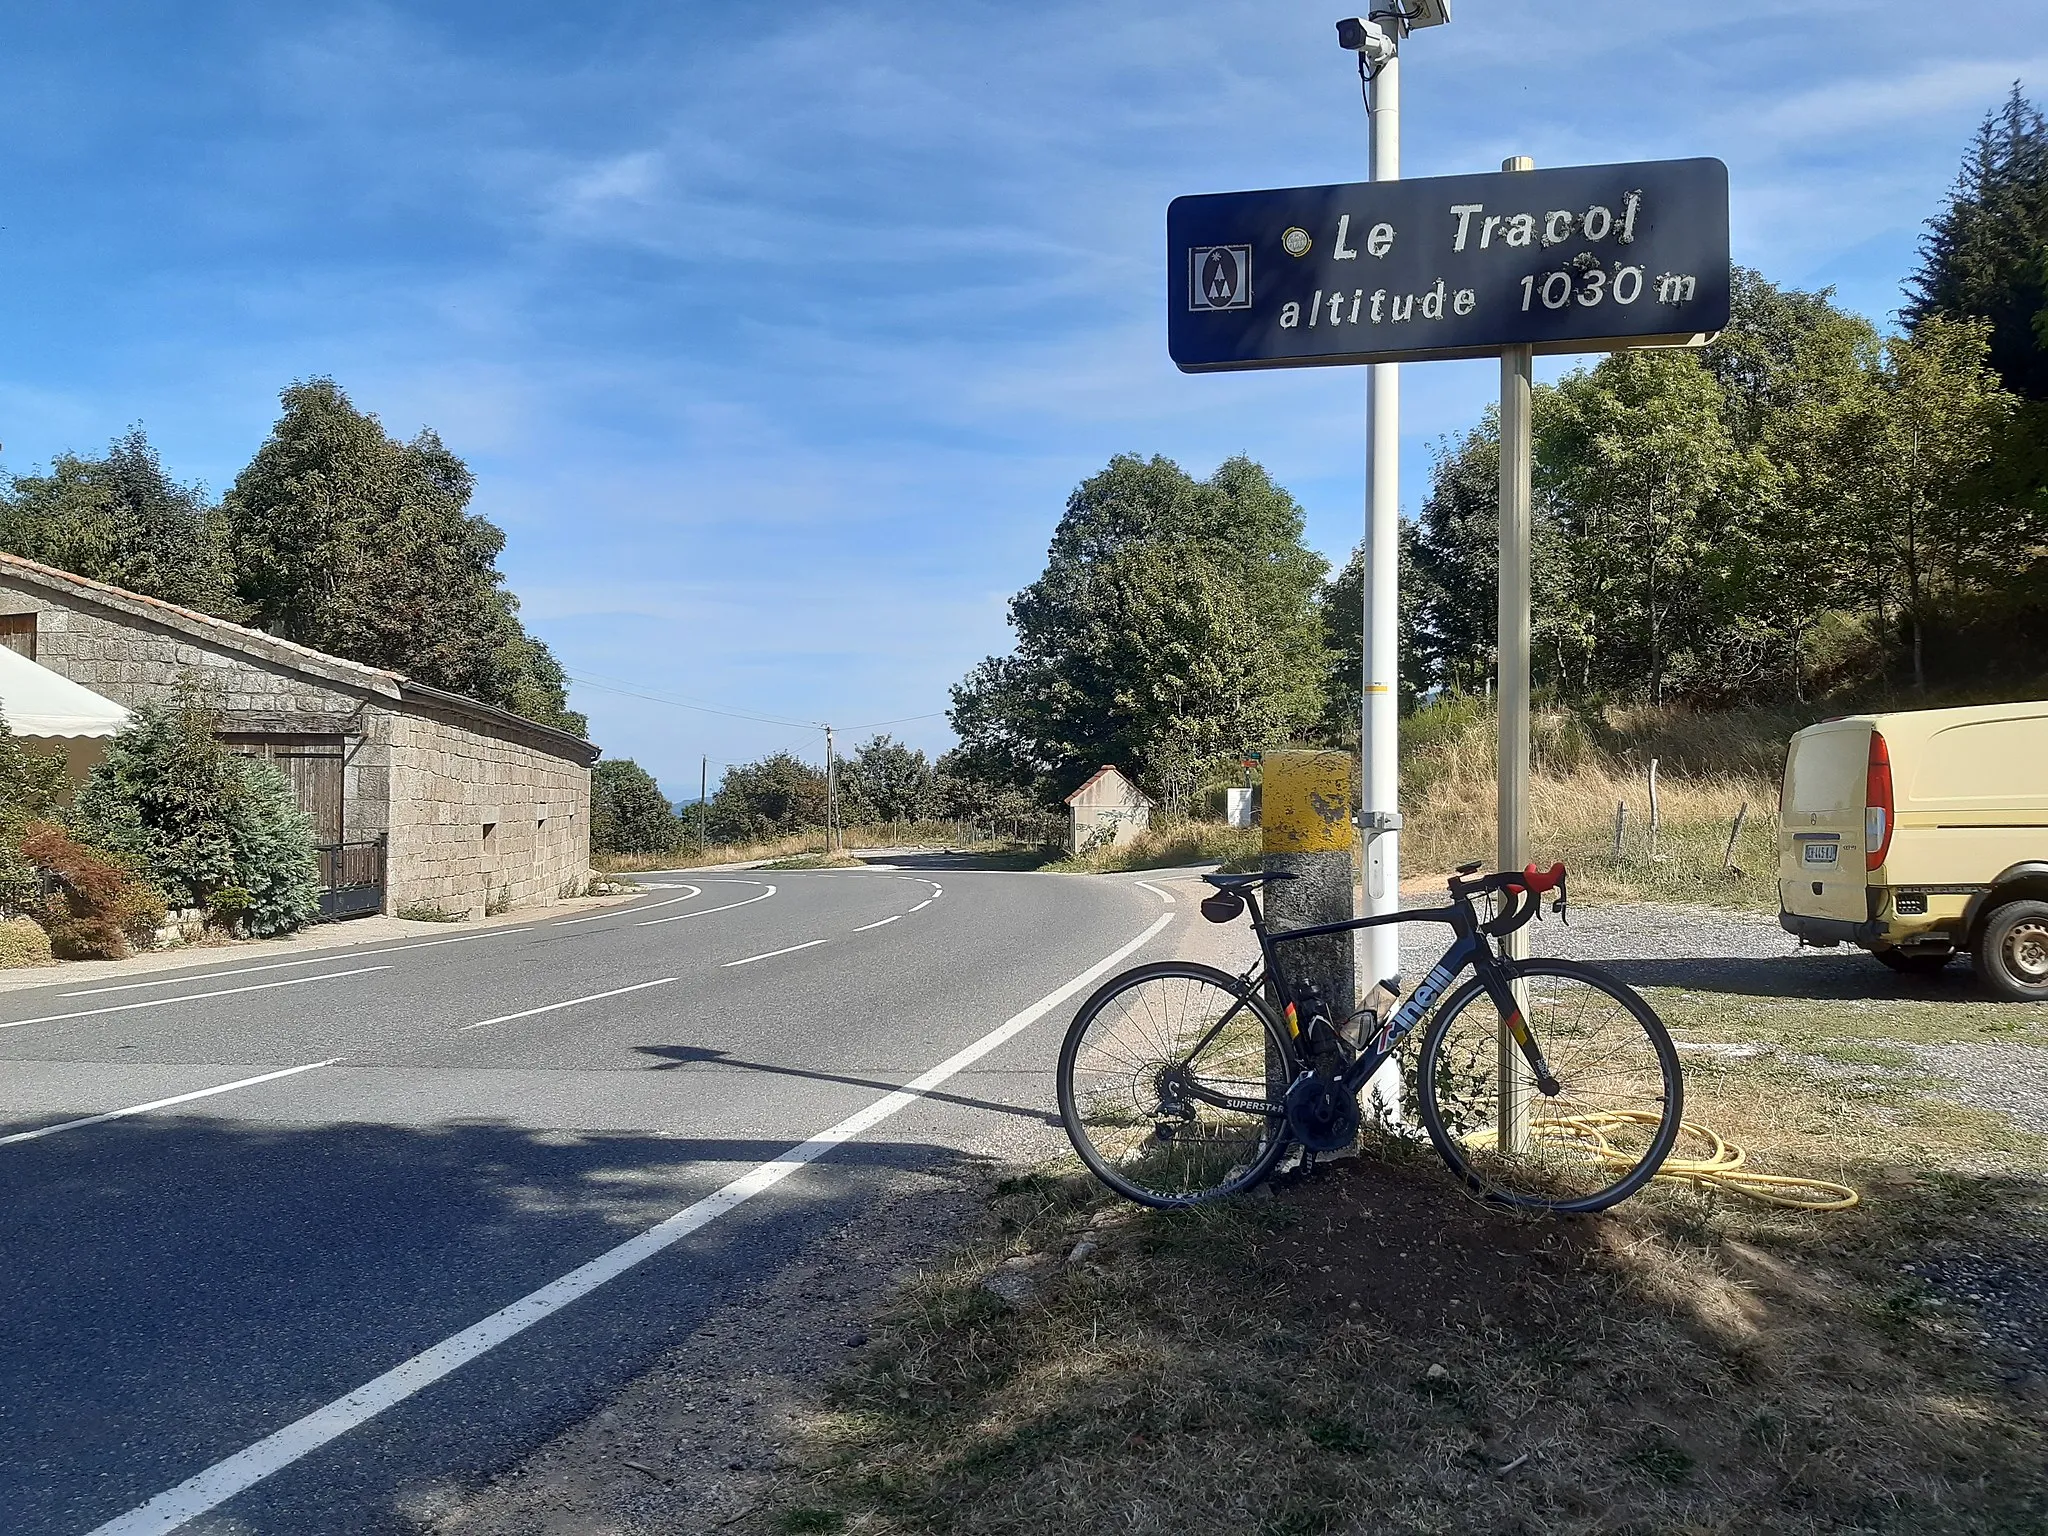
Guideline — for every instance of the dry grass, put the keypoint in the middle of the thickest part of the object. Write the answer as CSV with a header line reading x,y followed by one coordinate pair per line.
x,y
959,835
1709,767
1168,845
1370,1351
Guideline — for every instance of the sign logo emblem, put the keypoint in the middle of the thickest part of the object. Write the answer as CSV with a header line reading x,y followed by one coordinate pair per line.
x,y
1295,241
1220,277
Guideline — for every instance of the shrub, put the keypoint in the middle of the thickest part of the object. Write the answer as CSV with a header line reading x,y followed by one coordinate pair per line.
x,y
23,942
94,909
276,868
199,821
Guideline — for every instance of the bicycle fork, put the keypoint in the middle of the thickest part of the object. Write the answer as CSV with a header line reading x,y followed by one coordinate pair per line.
x,y
1502,990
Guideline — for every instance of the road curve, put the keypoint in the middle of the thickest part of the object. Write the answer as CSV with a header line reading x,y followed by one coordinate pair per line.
x,y
237,1197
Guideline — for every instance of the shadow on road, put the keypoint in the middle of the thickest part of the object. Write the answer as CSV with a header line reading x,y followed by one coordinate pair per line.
x,y
1852,977
1012,860
179,1287
695,1055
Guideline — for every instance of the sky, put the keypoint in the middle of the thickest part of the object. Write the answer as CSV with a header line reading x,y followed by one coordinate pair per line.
x,y
777,335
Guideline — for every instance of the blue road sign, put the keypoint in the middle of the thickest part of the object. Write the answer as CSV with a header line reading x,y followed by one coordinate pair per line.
x,y
1584,258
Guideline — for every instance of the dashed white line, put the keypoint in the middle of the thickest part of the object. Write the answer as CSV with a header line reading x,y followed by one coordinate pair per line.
x,y
1165,896
527,1013
807,944
864,927
652,922
923,904
213,1487
694,890
176,1098
192,997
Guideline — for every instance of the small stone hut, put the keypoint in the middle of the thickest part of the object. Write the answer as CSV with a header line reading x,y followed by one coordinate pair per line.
x,y
1109,808
418,798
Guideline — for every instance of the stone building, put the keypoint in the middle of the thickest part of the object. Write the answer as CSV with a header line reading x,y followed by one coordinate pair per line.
x,y
1109,808
417,797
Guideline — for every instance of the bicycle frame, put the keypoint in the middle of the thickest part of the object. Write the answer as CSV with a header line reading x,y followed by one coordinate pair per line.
x,y
1469,947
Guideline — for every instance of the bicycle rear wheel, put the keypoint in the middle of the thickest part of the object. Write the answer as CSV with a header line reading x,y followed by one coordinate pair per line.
x,y
1130,1059
1595,1141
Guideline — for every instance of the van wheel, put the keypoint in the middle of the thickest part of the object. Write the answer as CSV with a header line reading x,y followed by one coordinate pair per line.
x,y
1921,962
2012,952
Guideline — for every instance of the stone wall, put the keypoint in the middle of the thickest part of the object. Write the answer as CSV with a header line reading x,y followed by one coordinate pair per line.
x,y
450,781
133,659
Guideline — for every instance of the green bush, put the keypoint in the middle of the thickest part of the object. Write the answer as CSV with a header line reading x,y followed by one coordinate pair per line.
x,y
275,864
23,942
197,820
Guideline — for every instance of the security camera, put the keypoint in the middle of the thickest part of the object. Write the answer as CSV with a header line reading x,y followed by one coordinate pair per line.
x,y
1369,38
1426,13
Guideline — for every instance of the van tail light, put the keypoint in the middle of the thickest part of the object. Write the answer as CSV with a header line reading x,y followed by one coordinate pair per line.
x,y
1877,804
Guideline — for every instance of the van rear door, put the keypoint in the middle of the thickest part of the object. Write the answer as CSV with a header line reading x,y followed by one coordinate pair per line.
x,y
1820,833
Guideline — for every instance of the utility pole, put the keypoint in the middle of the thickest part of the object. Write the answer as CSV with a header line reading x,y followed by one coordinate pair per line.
x,y
1379,745
831,798
1512,661
703,788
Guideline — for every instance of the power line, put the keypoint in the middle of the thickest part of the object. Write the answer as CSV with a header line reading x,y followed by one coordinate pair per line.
x,y
655,698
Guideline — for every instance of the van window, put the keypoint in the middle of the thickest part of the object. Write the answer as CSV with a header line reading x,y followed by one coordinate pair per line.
x,y
1994,762
1826,771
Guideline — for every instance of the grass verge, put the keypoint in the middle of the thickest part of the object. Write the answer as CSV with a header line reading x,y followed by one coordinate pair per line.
x,y
1168,845
1369,1350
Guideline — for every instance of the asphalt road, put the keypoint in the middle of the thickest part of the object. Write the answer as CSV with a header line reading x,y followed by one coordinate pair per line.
x,y
281,1307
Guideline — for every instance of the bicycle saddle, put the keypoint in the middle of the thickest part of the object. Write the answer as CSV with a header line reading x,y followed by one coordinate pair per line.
x,y
1247,881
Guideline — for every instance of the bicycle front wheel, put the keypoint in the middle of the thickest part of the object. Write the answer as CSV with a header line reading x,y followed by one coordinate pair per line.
x,y
1596,1140
1142,1065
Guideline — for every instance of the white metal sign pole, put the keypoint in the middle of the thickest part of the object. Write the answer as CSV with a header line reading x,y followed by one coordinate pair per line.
x,y
1512,660
1380,723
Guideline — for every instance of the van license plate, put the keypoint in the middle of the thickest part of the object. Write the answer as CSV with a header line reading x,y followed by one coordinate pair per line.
x,y
1820,853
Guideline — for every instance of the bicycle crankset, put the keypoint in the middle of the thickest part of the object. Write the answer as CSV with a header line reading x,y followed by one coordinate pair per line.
x,y
1322,1114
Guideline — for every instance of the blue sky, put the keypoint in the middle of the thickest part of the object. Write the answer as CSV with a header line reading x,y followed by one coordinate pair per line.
x,y
778,334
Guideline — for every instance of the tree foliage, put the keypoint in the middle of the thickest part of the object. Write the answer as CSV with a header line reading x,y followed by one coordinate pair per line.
x,y
349,541
122,520
756,801
628,811
1985,256
1799,504
884,780
1175,622
209,829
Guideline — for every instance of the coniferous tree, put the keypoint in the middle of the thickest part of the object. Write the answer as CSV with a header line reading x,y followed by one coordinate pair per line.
x,y
1985,256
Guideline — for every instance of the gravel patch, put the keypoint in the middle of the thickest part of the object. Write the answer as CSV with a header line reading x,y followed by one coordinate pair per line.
x,y
2002,1075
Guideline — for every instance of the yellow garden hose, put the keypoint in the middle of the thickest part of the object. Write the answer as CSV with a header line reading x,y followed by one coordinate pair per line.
x,y
1724,1166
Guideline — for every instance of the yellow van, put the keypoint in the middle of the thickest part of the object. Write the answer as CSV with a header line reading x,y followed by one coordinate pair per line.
x,y
1921,835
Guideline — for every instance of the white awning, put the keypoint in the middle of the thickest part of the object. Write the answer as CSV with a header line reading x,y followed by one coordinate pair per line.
x,y
39,703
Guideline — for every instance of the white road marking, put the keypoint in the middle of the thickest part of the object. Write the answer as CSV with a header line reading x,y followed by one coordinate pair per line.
x,y
192,997
213,1487
336,958
507,1018
923,904
1165,896
694,890
247,970
864,927
176,1098
652,922
807,944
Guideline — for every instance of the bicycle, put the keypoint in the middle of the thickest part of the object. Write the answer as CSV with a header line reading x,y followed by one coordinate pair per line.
x,y
1180,1083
